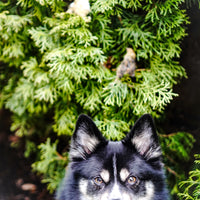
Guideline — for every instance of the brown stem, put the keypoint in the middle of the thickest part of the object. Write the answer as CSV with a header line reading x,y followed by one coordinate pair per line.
x,y
169,135
172,172
61,157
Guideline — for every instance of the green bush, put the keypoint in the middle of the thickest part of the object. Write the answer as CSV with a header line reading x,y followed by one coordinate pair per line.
x,y
56,65
191,187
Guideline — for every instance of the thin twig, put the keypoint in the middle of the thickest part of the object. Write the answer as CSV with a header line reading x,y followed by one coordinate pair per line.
x,y
173,172
61,157
169,135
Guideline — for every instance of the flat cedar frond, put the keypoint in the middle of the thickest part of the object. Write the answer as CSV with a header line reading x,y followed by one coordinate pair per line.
x,y
51,164
190,189
115,93
104,6
117,127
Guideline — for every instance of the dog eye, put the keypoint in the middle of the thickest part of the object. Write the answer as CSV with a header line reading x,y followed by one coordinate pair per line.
x,y
98,180
131,180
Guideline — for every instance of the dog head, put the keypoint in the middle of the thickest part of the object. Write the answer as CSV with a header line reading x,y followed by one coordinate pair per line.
x,y
130,169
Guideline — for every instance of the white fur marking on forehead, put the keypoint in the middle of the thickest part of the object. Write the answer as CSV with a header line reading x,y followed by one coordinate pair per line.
x,y
124,173
115,167
105,175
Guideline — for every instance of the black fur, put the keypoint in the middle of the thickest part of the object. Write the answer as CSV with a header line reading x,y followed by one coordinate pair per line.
x,y
90,153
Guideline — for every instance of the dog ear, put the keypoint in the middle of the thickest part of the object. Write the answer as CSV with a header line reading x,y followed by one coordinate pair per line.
x,y
144,138
85,139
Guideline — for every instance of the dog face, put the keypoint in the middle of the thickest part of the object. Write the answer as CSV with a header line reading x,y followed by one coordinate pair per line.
x,y
104,170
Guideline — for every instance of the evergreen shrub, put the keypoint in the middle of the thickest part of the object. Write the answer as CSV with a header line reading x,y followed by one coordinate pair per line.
x,y
190,189
56,64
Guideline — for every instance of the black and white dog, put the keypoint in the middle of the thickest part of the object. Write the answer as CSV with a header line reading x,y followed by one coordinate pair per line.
x,y
105,170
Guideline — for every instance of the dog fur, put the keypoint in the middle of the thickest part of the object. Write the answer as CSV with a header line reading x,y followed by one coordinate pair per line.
x,y
99,169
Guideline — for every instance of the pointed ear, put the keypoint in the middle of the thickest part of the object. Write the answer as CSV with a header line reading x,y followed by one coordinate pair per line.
x,y
85,139
144,138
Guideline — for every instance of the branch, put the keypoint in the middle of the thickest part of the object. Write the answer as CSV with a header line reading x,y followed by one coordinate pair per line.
x,y
168,135
172,172
61,157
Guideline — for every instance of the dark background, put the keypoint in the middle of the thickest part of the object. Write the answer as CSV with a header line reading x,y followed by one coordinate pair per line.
x,y
183,114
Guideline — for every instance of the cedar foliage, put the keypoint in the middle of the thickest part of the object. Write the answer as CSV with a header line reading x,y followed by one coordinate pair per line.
x,y
191,187
58,65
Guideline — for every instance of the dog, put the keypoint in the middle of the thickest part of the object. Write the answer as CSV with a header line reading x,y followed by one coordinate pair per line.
x,y
130,169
